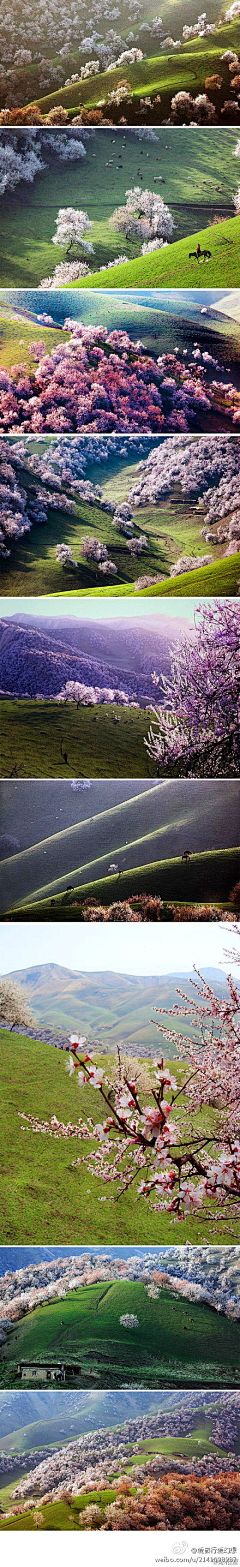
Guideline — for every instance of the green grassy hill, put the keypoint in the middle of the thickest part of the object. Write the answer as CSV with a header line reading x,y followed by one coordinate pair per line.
x,y
73,1415
35,733
165,75
222,577
172,267
192,1446
16,336
42,1197
60,1515
145,827
32,732
207,878
175,1339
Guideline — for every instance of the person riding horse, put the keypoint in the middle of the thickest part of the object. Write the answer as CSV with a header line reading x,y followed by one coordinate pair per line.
x,y
199,255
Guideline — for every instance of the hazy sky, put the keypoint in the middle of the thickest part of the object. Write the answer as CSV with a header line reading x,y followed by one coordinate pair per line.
x,y
95,609
123,949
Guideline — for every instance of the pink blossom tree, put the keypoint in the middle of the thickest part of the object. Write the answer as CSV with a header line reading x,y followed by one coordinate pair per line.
x,y
181,1148
99,381
197,729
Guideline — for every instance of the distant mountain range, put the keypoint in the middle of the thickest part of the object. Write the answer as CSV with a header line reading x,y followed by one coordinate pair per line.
x,y
107,1007
38,655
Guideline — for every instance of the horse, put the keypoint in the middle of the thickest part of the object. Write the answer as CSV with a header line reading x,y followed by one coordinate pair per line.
x,y
199,255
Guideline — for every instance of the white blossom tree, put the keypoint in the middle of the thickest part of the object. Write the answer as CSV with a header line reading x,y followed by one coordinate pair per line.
x,y
145,216
64,555
72,227
14,1006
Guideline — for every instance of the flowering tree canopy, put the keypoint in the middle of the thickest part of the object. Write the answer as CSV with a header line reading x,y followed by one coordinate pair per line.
x,y
129,1320
72,226
102,381
25,157
145,216
15,1011
198,727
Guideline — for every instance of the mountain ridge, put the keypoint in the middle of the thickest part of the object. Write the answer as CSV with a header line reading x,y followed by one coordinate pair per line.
x,y
107,1006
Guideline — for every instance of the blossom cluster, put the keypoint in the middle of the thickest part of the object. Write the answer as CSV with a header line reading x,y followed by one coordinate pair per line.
x,y
208,473
22,158
145,216
103,381
199,724
91,696
21,507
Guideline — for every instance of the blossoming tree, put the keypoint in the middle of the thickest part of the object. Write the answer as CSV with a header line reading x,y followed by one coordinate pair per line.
x,y
198,727
180,1150
72,228
145,216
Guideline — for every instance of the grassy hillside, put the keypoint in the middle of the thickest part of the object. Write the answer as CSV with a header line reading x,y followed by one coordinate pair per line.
x,y
175,1339
56,1413
166,75
199,175
207,878
60,1515
222,577
16,336
42,1197
181,1446
148,826
32,733
173,268
172,528
35,1419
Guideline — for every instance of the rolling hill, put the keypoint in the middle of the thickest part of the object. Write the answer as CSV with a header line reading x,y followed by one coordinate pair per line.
x,y
176,1340
148,829
207,878
112,1006
172,267
27,1419
222,578
157,76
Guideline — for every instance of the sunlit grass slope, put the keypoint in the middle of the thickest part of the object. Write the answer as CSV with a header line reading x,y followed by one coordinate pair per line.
x,y
222,577
172,267
16,336
161,74
207,878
